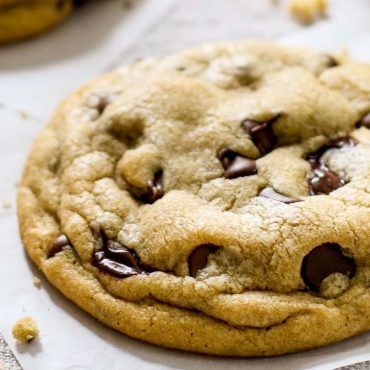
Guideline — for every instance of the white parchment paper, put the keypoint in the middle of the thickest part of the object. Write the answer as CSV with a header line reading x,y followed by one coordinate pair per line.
x,y
33,78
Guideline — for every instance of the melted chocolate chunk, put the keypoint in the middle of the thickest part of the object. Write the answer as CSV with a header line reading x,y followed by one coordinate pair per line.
x,y
323,180
262,134
236,165
116,260
226,156
154,190
198,258
57,246
323,261
364,121
272,194
115,252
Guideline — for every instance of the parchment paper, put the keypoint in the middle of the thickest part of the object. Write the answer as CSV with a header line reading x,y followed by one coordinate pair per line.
x,y
33,78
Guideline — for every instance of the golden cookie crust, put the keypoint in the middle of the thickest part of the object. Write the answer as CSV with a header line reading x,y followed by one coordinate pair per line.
x,y
21,19
92,179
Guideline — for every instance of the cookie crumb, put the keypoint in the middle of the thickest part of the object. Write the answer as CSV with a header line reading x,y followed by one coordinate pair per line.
x,y
25,329
6,204
307,11
36,282
24,114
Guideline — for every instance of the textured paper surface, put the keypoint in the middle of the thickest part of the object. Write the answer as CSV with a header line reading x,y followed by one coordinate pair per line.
x,y
33,78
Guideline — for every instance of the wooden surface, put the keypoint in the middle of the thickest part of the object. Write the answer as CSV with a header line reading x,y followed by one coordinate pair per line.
x,y
156,28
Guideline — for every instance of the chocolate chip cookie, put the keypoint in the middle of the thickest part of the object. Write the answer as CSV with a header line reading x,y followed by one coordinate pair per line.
x,y
216,201
21,19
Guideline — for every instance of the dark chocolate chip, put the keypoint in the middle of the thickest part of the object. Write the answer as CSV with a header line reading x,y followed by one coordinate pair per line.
x,y
323,261
241,166
198,258
236,165
331,61
262,134
116,260
226,156
115,269
272,194
116,252
364,121
104,101
57,246
324,181
154,190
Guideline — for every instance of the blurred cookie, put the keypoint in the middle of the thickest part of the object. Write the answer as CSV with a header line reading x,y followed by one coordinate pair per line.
x,y
21,19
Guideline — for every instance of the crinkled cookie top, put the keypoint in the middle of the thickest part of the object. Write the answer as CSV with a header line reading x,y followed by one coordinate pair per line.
x,y
229,184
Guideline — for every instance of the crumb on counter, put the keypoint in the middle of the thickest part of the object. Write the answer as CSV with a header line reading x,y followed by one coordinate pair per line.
x,y
36,282
24,114
307,11
25,329
6,204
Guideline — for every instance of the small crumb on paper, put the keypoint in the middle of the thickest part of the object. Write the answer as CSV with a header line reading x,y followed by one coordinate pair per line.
x,y
25,329
24,114
307,11
36,282
6,204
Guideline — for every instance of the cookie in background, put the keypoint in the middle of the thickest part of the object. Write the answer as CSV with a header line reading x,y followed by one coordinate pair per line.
x,y
24,19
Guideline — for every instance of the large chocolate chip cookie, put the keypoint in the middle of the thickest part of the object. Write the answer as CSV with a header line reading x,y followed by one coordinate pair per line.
x,y
216,201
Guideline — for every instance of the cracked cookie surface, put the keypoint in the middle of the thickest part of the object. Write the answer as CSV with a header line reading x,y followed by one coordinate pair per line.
x,y
217,200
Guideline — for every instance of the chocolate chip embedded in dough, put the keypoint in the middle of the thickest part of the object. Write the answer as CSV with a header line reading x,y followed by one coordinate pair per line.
x,y
104,101
198,258
331,61
323,261
316,157
57,246
154,190
116,260
236,165
272,194
118,253
323,180
262,134
226,156
364,121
